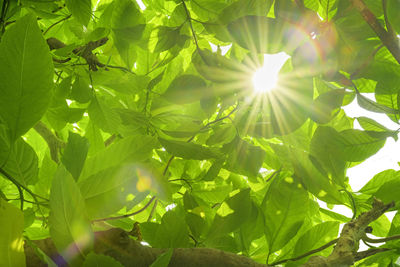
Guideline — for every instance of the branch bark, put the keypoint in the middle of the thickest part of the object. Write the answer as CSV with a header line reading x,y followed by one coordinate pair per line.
x,y
387,39
345,252
84,51
130,253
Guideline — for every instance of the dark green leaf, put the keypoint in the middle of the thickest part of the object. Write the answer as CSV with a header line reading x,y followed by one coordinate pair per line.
x,y
75,154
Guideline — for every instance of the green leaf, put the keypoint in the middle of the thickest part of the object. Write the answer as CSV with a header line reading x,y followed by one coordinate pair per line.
x,y
22,163
394,20
80,9
234,212
358,145
100,260
164,259
103,116
75,154
81,91
258,34
384,186
11,241
188,150
70,227
286,206
373,106
186,89
132,149
106,191
26,74
171,233
324,106
244,158
316,237
326,153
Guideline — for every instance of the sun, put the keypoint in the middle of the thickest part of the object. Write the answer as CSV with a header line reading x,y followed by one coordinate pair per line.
x,y
265,78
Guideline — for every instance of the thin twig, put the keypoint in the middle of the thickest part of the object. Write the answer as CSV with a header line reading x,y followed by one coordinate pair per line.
x,y
367,253
9,177
327,245
190,24
126,215
380,240
152,210
54,24
201,129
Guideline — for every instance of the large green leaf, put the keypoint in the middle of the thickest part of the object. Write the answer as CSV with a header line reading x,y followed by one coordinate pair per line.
x,y
11,241
235,211
317,236
70,227
186,89
22,163
394,20
80,9
384,185
244,158
26,74
286,206
103,116
258,34
75,154
133,149
106,192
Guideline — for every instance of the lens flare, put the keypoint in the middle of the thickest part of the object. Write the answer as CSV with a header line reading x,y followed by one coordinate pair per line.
x,y
266,78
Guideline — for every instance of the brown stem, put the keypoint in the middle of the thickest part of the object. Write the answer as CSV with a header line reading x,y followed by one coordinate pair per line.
x,y
126,215
387,39
52,141
84,51
367,253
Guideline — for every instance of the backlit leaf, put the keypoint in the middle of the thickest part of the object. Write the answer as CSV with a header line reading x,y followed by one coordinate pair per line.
x,y
26,74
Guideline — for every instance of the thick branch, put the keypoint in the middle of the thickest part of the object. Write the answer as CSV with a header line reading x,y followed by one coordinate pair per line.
x,y
84,51
345,252
130,253
387,39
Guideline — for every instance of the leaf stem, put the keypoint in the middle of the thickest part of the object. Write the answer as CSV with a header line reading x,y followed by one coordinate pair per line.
x,y
126,215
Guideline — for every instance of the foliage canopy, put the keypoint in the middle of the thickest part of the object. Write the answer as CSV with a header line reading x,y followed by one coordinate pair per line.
x,y
122,121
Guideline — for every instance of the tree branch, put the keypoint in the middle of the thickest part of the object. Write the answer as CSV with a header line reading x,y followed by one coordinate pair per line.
x,y
84,51
387,39
345,252
118,244
52,141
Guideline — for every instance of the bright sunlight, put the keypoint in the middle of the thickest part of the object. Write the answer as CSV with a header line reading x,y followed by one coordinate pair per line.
x,y
266,78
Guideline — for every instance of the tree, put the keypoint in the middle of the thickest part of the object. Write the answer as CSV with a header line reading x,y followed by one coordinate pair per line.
x,y
119,125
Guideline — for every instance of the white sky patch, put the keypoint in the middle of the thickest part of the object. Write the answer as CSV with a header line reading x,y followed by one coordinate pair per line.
x,y
266,78
224,49
141,5
386,158
68,102
170,207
